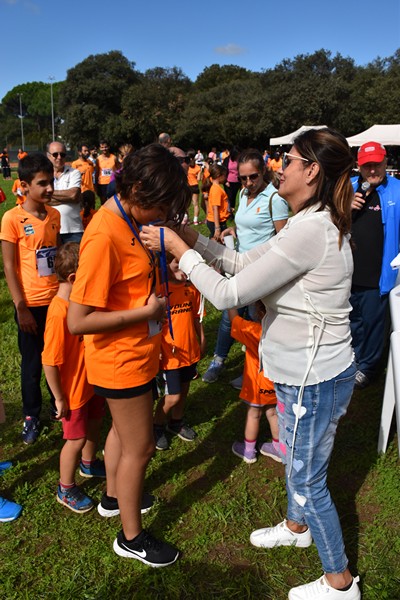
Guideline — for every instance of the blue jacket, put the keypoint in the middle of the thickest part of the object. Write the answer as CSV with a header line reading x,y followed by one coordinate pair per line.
x,y
389,194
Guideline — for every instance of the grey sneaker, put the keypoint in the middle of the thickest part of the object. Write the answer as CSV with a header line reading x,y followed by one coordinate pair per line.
x,y
214,370
237,383
160,438
269,450
361,381
182,430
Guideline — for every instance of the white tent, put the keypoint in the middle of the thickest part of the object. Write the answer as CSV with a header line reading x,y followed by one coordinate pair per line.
x,y
289,138
388,135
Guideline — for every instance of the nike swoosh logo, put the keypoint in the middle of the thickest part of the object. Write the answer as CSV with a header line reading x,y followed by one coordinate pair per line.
x,y
141,553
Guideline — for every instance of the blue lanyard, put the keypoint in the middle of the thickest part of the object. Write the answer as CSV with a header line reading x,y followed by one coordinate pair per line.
x,y
162,256
164,279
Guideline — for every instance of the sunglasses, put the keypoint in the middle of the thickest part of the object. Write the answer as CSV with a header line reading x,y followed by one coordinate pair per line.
x,y
287,159
252,177
56,154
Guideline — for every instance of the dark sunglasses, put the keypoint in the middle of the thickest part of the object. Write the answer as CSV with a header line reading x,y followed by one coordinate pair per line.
x,y
60,154
252,177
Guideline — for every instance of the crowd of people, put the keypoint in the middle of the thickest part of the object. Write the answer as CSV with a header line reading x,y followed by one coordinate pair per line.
x,y
111,303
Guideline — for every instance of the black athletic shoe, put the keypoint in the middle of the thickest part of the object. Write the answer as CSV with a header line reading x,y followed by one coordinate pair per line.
x,y
108,507
147,549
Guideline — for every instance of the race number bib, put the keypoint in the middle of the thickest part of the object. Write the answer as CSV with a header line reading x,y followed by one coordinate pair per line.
x,y
45,261
106,172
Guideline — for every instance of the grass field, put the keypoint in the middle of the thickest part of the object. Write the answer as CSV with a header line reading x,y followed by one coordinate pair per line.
x,y
208,503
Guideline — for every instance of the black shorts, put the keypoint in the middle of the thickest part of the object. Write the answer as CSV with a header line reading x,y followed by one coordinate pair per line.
x,y
175,377
194,189
132,392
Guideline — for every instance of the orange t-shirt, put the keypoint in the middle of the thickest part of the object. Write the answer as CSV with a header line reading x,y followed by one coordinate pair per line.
x,y
275,165
36,246
104,168
86,220
218,197
193,173
17,190
184,349
66,351
116,273
257,389
86,168
21,155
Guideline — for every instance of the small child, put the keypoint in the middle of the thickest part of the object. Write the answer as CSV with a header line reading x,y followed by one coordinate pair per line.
x,y
79,409
179,357
17,191
30,236
257,392
88,203
194,172
218,207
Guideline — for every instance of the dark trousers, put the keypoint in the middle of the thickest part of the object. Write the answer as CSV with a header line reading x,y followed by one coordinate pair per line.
x,y
31,347
211,227
368,323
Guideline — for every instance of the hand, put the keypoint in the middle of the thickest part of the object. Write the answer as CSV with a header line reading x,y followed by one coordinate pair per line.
x,y
217,235
62,407
150,236
26,320
156,307
358,201
176,272
228,231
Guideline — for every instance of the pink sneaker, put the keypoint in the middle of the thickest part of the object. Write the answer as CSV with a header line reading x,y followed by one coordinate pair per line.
x,y
268,449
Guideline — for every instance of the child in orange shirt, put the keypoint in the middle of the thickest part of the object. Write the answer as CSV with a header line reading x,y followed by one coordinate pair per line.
x,y
179,357
257,392
88,203
79,409
194,172
17,191
218,206
30,236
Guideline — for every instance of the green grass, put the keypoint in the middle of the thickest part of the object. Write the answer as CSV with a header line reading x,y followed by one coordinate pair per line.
x,y
208,503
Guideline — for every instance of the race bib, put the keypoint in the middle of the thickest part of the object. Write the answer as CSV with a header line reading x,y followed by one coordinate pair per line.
x,y
106,172
45,261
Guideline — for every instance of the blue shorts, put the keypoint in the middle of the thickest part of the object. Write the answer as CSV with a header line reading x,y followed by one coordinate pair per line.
x,y
175,377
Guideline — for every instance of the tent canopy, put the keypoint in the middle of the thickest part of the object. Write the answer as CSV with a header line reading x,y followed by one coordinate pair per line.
x,y
288,139
388,135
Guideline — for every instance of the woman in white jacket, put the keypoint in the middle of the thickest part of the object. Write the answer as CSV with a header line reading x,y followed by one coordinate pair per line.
x,y
303,276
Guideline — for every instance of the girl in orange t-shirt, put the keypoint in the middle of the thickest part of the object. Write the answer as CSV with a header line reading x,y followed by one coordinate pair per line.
x,y
218,206
114,303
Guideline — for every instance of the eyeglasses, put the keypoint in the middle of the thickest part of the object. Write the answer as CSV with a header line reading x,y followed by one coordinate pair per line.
x,y
56,154
252,177
287,159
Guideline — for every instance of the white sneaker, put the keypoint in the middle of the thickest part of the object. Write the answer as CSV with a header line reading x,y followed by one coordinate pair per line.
x,y
321,590
280,535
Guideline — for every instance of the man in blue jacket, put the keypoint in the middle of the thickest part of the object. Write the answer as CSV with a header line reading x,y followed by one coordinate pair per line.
x,y
376,236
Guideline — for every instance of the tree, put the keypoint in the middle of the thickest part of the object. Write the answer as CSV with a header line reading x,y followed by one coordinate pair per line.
x,y
91,98
154,104
36,110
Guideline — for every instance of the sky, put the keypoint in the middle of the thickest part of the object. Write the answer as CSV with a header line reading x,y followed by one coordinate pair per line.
x,y
45,38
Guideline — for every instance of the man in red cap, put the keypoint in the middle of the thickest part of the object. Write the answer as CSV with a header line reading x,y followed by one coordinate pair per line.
x,y
376,238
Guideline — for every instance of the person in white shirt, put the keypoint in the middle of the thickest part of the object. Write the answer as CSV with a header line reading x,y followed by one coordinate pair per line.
x,y
67,193
303,277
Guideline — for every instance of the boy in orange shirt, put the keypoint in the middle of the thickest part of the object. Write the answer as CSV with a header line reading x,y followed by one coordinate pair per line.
x,y
30,236
79,409
257,392
218,205
179,357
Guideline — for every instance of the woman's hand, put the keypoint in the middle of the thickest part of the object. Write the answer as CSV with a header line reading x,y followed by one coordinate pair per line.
x,y
151,238
156,306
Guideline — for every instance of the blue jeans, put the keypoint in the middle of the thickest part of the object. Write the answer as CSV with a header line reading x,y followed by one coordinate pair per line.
x,y
368,327
309,500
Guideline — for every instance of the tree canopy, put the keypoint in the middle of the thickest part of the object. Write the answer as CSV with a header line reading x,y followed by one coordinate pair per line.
x,y
104,96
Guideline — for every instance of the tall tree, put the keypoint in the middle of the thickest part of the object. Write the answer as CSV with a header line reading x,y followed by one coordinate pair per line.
x,y
36,111
91,97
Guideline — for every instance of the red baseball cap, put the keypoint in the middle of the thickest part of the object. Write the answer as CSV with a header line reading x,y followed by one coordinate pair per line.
x,y
371,152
